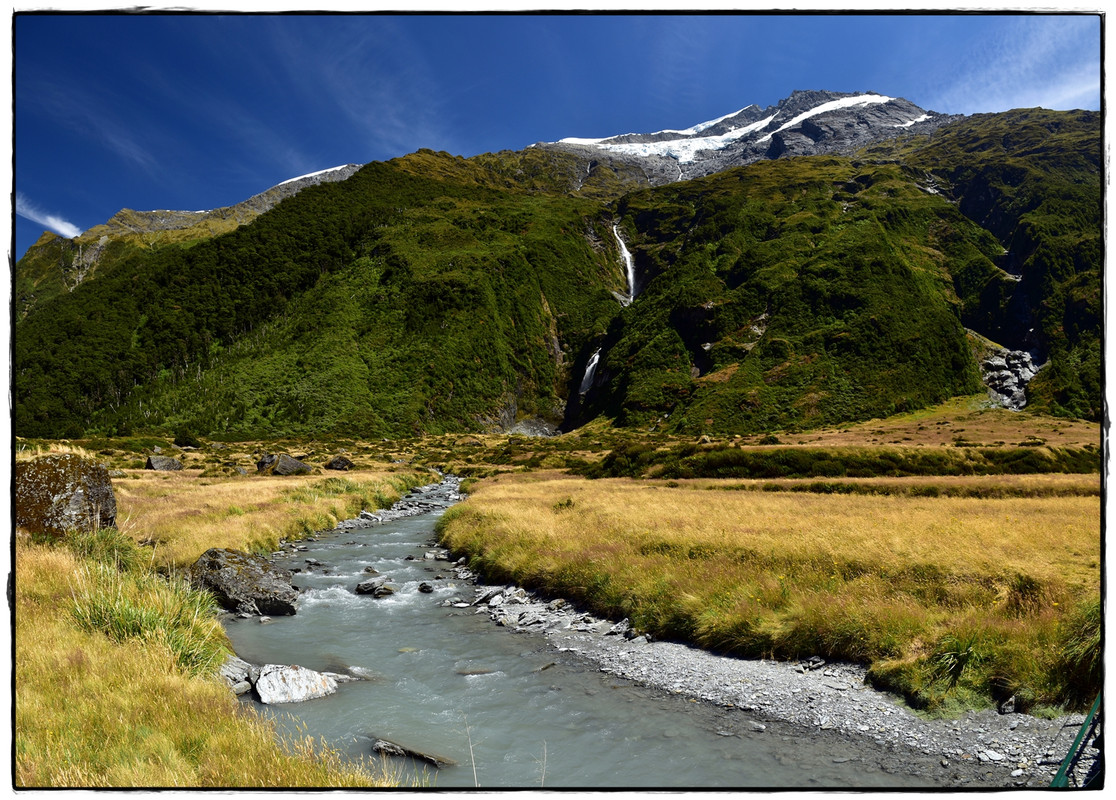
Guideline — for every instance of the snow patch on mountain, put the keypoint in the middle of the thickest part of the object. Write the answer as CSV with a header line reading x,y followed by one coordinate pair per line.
x,y
314,174
684,150
832,105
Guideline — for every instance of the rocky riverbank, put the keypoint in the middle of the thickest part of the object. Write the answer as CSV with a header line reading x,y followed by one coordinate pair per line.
x,y
810,699
829,704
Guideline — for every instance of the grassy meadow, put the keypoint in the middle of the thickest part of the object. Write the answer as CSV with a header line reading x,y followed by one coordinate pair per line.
x,y
956,589
115,663
952,601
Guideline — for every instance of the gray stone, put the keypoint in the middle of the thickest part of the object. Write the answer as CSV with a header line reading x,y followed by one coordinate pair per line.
x,y
276,683
234,670
58,493
339,463
163,463
282,464
243,582
390,748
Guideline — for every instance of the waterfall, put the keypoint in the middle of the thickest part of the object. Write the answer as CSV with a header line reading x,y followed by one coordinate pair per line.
x,y
590,371
629,265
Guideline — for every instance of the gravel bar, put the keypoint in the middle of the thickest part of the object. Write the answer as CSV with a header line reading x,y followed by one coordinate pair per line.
x,y
981,749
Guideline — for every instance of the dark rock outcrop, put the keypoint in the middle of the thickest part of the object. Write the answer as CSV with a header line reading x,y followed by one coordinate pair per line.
x,y
387,747
377,587
243,582
165,463
58,493
282,464
339,463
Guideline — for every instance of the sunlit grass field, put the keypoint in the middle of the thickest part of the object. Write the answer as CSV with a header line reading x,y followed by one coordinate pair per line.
x,y
100,703
180,515
115,664
949,599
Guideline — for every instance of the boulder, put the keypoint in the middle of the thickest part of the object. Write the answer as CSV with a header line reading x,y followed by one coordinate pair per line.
x,y
165,463
339,463
243,582
275,683
234,670
282,464
377,587
58,493
389,748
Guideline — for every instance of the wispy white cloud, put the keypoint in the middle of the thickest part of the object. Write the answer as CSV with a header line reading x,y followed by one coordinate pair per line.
x,y
1048,61
88,111
375,73
28,210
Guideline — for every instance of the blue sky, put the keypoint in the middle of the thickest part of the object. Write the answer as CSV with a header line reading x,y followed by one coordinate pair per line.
x,y
198,111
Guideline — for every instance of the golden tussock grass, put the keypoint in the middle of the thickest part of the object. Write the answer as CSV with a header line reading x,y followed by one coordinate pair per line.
x,y
93,712
182,515
868,578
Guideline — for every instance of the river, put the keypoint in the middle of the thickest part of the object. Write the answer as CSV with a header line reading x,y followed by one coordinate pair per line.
x,y
511,709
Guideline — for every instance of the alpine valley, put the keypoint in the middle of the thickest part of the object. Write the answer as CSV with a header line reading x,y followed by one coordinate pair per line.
x,y
834,258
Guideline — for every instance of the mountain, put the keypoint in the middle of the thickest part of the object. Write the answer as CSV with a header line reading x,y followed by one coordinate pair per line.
x,y
55,264
830,263
805,124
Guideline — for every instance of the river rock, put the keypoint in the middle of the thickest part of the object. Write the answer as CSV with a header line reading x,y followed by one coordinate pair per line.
x,y
339,463
163,463
390,748
282,464
243,582
276,683
58,493
377,587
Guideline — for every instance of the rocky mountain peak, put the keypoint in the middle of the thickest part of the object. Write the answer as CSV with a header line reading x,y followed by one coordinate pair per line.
x,y
808,122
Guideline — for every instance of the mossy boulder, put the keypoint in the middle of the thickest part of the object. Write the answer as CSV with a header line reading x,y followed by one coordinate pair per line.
x,y
243,582
58,493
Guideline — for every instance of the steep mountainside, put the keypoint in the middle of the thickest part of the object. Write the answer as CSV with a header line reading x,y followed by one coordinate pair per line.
x,y
434,293
54,264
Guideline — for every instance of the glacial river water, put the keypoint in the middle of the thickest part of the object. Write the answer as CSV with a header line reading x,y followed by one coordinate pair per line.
x,y
511,709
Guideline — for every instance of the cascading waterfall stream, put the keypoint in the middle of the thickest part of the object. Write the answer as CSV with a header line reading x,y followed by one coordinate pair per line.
x,y
590,371
625,300
629,266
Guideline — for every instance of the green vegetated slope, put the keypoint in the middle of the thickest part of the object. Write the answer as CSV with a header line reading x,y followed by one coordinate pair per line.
x,y
790,293
804,292
390,303
1032,177
434,293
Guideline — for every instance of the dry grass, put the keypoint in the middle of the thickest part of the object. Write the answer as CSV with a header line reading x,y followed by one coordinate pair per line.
x,y
870,578
92,712
182,515
968,419
980,486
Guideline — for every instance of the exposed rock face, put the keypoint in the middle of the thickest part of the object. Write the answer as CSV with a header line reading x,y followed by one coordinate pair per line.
x,y
275,683
165,463
806,123
243,582
1006,374
58,493
339,463
282,465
